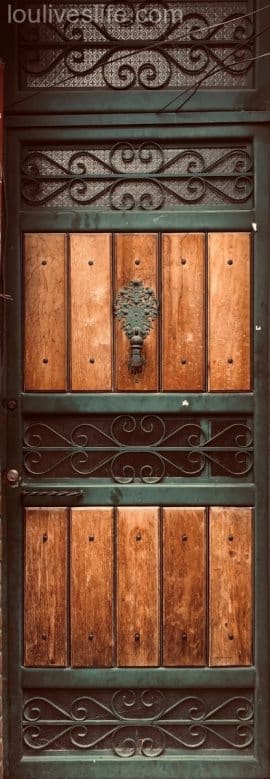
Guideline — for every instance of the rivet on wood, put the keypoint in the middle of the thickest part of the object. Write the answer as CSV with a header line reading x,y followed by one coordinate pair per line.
x,y
91,538
183,261
44,637
230,361
90,262
44,262
183,362
184,636
230,262
92,361
138,537
137,262
230,637
137,637
45,360
45,537
91,637
184,537
230,537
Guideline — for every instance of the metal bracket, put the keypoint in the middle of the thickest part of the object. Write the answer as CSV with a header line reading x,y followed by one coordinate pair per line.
x,y
137,307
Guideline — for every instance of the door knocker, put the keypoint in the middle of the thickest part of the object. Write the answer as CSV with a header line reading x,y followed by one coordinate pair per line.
x,y
137,307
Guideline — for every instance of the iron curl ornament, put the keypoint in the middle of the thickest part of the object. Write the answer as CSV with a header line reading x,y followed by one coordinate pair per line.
x,y
136,307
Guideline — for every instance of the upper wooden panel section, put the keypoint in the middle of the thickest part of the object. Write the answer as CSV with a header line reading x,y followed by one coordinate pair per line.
x,y
128,312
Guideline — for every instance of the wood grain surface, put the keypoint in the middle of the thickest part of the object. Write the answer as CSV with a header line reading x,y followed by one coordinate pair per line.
x,y
229,311
183,305
45,588
91,312
184,586
132,249
138,587
91,587
45,353
231,554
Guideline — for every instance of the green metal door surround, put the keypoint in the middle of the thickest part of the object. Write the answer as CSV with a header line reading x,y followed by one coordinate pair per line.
x,y
220,715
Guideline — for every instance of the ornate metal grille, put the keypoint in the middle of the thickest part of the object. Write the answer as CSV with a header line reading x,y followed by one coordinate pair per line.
x,y
128,723
139,448
147,176
139,45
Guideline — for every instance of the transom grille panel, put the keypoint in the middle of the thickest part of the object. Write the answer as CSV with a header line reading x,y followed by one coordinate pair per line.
x,y
140,45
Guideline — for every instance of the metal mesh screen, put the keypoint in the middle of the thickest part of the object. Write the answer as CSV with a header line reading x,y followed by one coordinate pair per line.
x,y
138,45
146,176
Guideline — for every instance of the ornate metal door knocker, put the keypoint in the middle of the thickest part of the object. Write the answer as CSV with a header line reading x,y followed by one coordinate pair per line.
x,y
137,307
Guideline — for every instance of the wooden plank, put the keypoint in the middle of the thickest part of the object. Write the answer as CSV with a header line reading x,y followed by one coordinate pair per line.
x,y
45,366
138,587
231,551
183,305
184,587
45,589
229,311
91,587
132,249
91,312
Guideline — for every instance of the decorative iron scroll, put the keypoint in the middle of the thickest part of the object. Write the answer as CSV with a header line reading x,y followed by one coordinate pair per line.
x,y
129,723
138,448
139,45
145,177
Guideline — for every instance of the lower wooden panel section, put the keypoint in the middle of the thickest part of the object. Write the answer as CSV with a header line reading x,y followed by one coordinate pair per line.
x,y
184,587
129,585
230,586
91,587
45,595
138,587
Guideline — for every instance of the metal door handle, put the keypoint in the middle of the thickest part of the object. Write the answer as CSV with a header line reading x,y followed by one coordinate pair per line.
x,y
137,307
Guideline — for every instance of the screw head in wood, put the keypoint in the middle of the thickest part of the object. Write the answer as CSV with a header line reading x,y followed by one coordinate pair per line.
x,y
91,637
137,637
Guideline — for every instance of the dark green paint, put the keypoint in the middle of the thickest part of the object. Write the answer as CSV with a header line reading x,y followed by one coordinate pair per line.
x,y
44,118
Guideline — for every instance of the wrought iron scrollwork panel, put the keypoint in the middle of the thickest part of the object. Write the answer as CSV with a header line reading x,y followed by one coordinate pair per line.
x,y
129,723
145,177
130,45
130,448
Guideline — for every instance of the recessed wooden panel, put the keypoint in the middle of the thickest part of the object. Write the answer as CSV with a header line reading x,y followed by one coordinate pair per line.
x,y
45,312
45,600
229,311
184,587
183,267
91,587
138,587
230,586
91,312
136,259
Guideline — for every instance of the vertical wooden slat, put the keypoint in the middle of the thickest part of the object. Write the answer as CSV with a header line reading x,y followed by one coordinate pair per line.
x,y
91,312
183,267
136,259
230,586
229,311
45,602
184,587
138,587
91,587
45,312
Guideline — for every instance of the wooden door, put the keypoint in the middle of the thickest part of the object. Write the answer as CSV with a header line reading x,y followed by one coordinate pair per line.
x,y
138,521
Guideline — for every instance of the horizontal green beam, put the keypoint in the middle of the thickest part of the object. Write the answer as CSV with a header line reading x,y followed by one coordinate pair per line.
x,y
93,766
191,493
188,219
143,403
138,119
182,678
